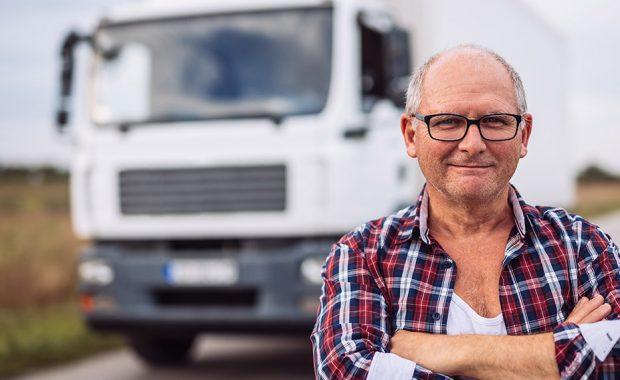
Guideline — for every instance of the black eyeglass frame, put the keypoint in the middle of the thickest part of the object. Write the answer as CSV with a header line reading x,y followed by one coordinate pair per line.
x,y
427,118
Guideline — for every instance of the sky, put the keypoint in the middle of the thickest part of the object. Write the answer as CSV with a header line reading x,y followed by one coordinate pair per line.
x,y
32,30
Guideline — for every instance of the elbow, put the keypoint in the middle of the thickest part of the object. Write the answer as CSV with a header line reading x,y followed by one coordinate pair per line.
x,y
340,361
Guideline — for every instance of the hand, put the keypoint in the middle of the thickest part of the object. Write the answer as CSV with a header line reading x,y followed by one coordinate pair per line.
x,y
589,310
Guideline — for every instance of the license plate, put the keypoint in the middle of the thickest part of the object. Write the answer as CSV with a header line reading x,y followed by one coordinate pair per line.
x,y
202,272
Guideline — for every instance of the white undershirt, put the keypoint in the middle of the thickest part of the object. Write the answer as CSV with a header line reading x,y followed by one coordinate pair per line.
x,y
462,319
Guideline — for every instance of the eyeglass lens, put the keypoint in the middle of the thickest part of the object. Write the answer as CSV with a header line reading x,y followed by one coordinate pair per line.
x,y
454,127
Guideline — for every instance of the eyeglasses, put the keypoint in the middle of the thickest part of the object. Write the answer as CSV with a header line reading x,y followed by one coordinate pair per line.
x,y
454,127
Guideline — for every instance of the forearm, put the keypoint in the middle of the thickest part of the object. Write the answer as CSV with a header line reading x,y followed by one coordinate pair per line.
x,y
509,357
480,356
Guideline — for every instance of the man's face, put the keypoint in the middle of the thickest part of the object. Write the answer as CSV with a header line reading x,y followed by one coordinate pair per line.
x,y
472,169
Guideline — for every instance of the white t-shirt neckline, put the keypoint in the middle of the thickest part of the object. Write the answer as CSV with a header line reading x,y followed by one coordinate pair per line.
x,y
462,319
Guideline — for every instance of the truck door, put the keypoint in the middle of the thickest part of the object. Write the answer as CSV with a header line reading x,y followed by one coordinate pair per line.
x,y
384,73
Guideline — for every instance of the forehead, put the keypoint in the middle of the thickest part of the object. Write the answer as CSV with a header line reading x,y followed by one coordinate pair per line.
x,y
462,81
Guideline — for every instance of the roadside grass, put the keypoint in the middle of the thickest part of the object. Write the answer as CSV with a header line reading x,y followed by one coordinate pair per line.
x,y
40,323
44,336
38,251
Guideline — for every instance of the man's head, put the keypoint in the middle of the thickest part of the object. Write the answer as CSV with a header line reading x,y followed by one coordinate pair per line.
x,y
473,82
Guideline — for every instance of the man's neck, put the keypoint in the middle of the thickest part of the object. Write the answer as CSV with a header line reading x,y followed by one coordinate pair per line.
x,y
461,218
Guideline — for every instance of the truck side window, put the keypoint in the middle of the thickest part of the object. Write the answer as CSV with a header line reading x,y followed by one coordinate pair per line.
x,y
384,59
372,70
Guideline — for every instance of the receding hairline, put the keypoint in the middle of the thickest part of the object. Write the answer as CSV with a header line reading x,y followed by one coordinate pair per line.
x,y
473,58
416,84
463,51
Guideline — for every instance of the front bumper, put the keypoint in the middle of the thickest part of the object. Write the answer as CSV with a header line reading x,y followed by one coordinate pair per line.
x,y
270,294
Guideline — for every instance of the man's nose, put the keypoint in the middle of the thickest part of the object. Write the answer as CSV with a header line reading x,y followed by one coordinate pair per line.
x,y
473,142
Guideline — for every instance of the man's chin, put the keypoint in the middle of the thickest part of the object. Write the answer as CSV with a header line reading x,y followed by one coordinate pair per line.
x,y
474,190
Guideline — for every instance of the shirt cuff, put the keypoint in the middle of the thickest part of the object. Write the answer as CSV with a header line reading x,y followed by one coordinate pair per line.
x,y
601,336
390,366
574,357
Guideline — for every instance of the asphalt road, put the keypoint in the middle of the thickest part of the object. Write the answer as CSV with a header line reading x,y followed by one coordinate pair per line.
x,y
224,357
215,357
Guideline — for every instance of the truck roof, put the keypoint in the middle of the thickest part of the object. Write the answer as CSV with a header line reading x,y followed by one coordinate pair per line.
x,y
156,9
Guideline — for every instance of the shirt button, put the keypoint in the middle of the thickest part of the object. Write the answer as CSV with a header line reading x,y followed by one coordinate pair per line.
x,y
436,316
447,265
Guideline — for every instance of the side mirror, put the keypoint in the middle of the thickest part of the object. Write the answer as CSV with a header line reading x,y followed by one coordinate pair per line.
x,y
62,118
386,62
397,91
66,76
397,65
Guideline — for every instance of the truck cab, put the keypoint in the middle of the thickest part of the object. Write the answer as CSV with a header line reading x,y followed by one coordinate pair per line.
x,y
226,148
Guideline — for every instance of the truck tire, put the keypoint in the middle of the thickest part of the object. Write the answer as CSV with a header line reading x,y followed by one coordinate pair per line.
x,y
157,351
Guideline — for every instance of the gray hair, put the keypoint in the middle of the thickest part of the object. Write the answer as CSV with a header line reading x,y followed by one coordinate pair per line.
x,y
414,91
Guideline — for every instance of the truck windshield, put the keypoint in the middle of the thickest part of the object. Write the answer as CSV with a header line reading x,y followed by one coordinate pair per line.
x,y
257,64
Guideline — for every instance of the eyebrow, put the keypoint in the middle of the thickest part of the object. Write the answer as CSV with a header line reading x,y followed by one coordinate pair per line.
x,y
478,115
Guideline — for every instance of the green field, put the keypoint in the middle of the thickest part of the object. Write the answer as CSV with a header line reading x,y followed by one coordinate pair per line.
x,y
39,319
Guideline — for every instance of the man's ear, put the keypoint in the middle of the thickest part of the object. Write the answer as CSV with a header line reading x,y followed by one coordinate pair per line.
x,y
526,131
406,128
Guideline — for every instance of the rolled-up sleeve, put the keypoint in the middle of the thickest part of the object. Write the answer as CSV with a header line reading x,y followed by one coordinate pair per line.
x,y
352,322
599,273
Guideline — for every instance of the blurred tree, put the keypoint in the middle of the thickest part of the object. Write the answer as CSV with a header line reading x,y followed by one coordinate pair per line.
x,y
593,174
34,175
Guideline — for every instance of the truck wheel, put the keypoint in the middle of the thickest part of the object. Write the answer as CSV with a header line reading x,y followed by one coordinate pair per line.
x,y
157,351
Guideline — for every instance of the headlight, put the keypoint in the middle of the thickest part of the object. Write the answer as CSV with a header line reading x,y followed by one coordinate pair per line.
x,y
96,272
311,269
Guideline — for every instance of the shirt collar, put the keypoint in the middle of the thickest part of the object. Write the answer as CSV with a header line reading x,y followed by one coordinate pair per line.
x,y
517,210
418,216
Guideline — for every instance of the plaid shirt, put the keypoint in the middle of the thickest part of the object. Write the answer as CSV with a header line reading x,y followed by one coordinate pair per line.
x,y
390,275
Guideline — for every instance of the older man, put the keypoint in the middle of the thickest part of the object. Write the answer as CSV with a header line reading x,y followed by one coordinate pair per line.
x,y
471,280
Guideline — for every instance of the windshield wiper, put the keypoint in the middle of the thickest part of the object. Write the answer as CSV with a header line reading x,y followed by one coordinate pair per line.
x,y
277,119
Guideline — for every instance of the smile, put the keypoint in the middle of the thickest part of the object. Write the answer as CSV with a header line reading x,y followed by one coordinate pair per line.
x,y
471,166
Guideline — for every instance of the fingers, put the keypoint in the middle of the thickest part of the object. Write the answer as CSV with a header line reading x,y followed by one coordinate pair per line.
x,y
589,310
583,308
597,314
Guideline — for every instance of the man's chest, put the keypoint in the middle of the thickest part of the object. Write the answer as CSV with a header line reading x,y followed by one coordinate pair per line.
x,y
419,281
478,270
477,283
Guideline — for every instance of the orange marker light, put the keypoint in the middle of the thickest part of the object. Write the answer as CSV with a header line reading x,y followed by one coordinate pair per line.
x,y
87,303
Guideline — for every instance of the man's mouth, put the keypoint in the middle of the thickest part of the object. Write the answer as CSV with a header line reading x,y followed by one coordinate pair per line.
x,y
472,166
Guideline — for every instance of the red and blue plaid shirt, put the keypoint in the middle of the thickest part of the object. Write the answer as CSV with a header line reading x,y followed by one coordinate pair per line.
x,y
390,275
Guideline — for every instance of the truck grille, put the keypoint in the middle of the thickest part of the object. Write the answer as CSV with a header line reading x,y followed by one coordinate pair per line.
x,y
202,190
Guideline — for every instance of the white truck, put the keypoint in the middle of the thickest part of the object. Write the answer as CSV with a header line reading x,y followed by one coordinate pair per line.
x,y
224,147
229,145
